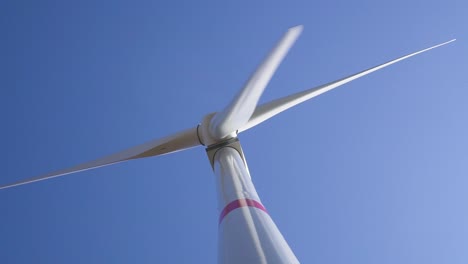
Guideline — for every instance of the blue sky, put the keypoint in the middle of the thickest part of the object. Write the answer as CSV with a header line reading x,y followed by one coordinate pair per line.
x,y
373,172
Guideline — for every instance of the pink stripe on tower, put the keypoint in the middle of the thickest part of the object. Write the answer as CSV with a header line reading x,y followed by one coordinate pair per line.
x,y
240,203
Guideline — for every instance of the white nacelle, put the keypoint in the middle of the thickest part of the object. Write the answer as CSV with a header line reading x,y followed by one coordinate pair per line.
x,y
204,132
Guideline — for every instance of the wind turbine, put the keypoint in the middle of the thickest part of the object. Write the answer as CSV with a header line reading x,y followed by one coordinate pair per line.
x,y
247,234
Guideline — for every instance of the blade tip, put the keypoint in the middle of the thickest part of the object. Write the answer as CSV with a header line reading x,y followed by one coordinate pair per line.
x,y
297,28
452,40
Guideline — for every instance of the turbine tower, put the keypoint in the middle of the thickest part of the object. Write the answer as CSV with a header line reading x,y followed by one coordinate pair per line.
x,y
247,234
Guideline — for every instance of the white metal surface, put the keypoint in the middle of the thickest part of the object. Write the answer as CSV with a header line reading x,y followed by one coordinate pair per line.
x,y
270,109
176,142
247,234
238,112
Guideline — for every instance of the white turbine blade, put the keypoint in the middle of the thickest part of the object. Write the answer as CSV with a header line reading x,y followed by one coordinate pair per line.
x,y
238,112
180,141
270,109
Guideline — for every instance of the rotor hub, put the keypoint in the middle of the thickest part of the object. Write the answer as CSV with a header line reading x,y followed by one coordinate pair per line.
x,y
205,136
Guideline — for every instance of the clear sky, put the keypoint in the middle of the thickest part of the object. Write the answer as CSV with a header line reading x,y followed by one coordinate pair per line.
x,y
373,172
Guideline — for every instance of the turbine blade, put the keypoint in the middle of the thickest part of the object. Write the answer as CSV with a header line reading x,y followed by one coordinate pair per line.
x,y
270,109
180,141
238,112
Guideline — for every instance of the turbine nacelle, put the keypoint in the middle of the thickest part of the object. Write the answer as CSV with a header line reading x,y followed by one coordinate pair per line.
x,y
206,135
